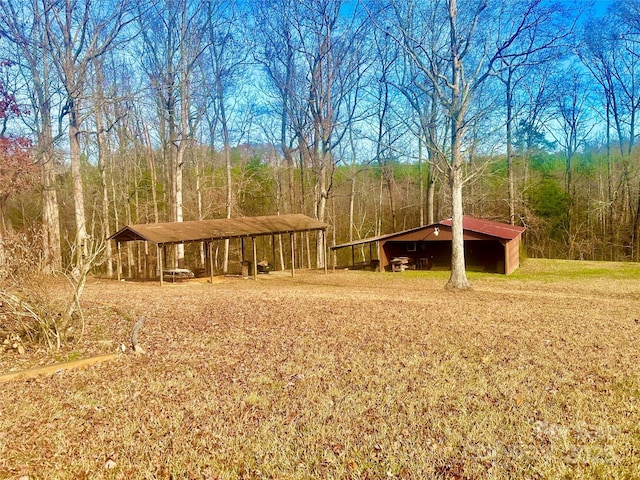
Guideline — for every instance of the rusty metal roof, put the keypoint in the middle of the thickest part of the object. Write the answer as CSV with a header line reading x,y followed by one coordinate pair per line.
x,y
472,224
488,227
198,230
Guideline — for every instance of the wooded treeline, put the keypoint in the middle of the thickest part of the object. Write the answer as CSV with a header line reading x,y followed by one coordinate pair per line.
x,y
373,116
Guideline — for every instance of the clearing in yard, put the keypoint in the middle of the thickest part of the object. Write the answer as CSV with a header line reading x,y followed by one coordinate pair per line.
x,y
345,375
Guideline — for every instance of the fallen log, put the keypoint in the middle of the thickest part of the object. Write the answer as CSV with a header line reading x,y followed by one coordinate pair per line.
x,y
56,367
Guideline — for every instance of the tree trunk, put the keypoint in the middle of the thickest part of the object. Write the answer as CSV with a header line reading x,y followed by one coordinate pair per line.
x,y
458,278
81,240
102,165
321,211
421,196
151,165
380,209
178,205
512,194
50,210
227,162
352,196
129,244
105,197
431,189
199,205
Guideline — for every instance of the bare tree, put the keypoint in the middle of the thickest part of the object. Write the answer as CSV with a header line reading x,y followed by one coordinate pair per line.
x,y
276,52
571,106
221,64
539,47
174,37
458,57
597,52
27,33
386,132
311,58
626,70
77,32
103,155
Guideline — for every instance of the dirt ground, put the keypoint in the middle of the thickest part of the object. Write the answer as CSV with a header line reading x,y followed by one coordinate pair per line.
x,y
346,375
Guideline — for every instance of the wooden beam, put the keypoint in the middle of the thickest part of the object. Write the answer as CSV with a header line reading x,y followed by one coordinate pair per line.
x,y
293,255
161,261
324,251
210,251
255,258
273,250
119,263
146,261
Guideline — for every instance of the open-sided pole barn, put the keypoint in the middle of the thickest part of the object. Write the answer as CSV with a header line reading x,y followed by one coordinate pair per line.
x,y
489,246
207,231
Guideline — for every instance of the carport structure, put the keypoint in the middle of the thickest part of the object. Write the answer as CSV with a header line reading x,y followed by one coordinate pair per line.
x,y
489,246
208,231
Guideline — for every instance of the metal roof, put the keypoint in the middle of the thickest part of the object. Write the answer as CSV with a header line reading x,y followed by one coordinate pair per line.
x,y
472,224
198,230
488,227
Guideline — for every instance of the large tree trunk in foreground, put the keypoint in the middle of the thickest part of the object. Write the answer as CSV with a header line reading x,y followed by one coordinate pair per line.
x,y
458,109
458,278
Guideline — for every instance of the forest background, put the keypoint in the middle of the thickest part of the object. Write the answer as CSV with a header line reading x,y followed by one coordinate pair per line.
x,y
126,112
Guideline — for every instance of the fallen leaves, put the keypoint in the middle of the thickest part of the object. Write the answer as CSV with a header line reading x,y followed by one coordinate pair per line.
x,y
316,377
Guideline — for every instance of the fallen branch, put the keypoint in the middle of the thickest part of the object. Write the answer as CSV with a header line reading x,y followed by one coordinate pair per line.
x,y
51,369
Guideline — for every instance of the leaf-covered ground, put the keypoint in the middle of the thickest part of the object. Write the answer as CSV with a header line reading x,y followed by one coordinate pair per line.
x,y
345,375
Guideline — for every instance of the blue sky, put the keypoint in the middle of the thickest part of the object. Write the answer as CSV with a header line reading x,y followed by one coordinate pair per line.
x,y
599,6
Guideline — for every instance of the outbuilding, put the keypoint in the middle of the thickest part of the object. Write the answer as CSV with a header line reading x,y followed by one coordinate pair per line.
x,y
164,235
489,246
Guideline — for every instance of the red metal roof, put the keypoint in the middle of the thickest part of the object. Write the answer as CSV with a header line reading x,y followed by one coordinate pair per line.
x,y
471,224
488,227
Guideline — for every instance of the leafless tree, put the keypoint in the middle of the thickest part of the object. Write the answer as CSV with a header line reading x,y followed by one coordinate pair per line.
x,y
77,32
311,58
24,27
467,47
174,37
221,65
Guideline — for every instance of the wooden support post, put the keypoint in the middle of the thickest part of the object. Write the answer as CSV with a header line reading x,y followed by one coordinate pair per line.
x,y
380,268
353,256
119,263
204,256
161,261
210,251
293,255
147,275
273,250
324,251
255,258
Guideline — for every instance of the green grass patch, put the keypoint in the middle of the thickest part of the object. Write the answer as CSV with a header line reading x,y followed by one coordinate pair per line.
x,y
569,270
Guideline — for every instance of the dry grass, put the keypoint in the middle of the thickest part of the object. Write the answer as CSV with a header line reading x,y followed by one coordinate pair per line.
x,y
348,375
